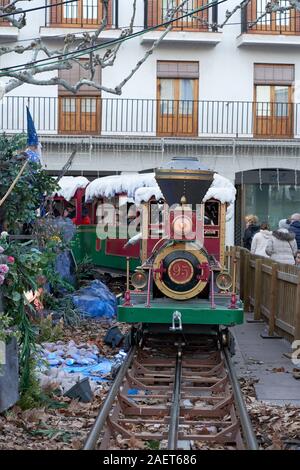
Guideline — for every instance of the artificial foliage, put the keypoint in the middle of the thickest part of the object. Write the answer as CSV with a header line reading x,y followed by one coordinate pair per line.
x,y
29,268
28,194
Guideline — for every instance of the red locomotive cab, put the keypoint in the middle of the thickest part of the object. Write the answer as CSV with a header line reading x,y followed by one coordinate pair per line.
x,y
214,229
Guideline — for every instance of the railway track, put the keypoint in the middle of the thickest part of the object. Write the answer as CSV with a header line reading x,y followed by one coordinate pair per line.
x,y
174,393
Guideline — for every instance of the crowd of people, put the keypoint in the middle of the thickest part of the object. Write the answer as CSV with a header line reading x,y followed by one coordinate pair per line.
x,y
281,245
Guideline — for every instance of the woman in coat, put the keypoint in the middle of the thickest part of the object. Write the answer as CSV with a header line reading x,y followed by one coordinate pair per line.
x,y
282,246
260,240
251,228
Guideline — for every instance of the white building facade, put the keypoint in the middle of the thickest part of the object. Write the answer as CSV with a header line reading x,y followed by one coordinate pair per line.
x,y
227,94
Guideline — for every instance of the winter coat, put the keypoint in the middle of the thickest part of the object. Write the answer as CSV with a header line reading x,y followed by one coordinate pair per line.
x,y
249,234
282,247
295,228
259,242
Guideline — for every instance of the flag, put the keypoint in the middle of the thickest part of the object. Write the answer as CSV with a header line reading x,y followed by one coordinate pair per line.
x,y
33,150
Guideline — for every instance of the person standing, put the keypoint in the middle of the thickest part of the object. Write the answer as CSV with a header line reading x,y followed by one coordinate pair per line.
x,y
295,227
260,240
282,246
297,259
251,228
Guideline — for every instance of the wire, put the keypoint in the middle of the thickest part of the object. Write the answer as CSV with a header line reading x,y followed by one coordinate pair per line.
x,y
72,55
20,12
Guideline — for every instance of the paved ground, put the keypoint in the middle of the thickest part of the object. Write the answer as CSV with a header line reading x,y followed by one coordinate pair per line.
x,y
264,360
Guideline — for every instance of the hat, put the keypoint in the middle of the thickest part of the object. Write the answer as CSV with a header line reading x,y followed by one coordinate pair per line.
x,y
283,224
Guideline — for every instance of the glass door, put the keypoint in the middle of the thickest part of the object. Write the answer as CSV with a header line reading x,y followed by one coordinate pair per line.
x,y
273,111
177,110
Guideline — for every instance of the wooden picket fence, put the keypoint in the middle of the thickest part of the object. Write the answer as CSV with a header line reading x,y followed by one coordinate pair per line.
x,y
271,290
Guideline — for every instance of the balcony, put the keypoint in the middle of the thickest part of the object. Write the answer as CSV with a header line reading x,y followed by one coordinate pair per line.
x,y
80,15
7,31
273,29
193,29
93,116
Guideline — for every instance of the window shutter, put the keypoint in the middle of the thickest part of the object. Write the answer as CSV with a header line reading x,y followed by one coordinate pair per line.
x,y
268,74
177,69
75,74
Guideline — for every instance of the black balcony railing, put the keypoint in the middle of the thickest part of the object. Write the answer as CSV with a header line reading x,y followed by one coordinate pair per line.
x,y
146,117
81,14
158,12
255,20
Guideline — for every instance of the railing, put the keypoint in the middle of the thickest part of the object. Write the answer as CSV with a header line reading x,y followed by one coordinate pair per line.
x,y
3,21
81,14
255,21
185,118
271,290
158,11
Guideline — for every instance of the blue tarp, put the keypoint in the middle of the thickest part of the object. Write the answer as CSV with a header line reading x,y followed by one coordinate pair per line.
x,y
94,372
95,301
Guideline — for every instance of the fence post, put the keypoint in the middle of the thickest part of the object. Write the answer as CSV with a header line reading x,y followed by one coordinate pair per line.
x,y
257,289
226,257
273,305
273,296
241,272
246,282
232,259
297,311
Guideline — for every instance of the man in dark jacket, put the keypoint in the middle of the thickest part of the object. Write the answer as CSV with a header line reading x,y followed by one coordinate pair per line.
x,y
295,227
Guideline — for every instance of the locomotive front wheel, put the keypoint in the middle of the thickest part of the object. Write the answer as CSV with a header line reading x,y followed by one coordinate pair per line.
x,y
227,341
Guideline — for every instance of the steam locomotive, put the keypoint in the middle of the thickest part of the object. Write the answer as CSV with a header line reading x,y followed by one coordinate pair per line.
x,y
182,284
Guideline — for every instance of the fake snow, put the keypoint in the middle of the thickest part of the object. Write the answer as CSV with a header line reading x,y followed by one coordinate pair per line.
x,y
109,186
221,189
69,185
224,191
145,194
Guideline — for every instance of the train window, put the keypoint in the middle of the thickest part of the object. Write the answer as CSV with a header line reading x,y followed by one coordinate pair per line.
x,y
156,218
211,216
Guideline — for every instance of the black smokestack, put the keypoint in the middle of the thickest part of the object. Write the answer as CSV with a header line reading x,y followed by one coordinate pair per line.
x,y
184,180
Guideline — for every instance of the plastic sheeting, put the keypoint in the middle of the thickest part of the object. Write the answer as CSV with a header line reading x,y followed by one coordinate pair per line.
x,y
95,301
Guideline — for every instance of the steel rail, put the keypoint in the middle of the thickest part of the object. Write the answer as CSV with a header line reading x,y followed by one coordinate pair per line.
x,y
93,436
175,410
246,425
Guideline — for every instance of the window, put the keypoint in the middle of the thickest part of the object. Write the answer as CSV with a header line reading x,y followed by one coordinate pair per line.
x,y
177,89
80,114
277,22
80,13
273,96
160,11
3,21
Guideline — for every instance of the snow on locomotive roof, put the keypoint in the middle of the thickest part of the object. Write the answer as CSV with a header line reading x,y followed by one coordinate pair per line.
x,y
109,186
221,189
146,193
69,185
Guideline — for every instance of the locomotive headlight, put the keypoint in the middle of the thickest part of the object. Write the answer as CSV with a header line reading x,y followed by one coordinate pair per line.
x,y
139,280
182,225
224,281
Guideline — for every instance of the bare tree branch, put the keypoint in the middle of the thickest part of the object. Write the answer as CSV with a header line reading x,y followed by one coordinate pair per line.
x,y
76,46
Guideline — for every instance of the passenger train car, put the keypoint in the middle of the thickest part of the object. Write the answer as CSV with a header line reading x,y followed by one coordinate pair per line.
x,y
135,195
